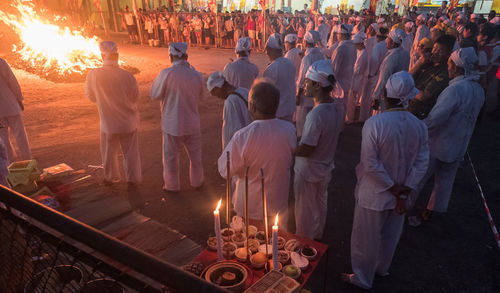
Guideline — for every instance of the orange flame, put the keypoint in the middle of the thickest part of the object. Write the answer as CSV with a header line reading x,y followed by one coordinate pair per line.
x,y
49,46
276,220
218,205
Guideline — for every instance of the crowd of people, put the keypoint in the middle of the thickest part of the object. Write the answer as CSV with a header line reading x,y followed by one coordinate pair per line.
x,y
419,83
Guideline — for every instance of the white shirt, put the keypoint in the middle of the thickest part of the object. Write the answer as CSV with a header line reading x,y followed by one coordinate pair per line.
x,y
241,73
369,44
312,55
235,115
395,60
267,144
407,42
376,58
323,33
321,131
282,72
294,56
451,121
394,150
360,73
10,91
343,60
116,93
179,88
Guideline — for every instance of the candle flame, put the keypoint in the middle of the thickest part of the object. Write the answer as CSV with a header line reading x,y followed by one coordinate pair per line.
x,y
276,220
218,204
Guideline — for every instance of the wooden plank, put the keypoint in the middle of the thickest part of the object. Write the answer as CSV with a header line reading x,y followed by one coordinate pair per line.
x,y
125,222
181,252
97,212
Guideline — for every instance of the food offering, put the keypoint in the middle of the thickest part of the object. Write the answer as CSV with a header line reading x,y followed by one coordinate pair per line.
x,y
241,254
268,251
253,245
212,243
258,260
261,236
293,245
252,230
270,266
292,271
281,242
227,233
298,260
228,250
284,256
309,252
239,239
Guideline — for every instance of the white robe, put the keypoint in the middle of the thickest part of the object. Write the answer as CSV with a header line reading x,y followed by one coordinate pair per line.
x,y
294,56
313,173
395,60
323,34
282,72
267,144
241,73
394,150
422,32
407,42
343,60
359,77
306,104
235,115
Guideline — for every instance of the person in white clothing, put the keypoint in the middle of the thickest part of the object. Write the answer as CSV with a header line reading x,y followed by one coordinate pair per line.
x,y
293,53
304,103
376,57
394,157
359,77
235,115
343,60
315,153
451,123
281,72
422,32
359,27
322,30
11,101
116,93
180,89
265,144
242,72
408,40
395,60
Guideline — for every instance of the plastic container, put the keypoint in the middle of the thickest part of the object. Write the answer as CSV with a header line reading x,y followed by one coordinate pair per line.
x,y
23,172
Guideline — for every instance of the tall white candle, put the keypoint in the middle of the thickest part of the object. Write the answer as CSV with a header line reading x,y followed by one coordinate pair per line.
x,y
276,264
218,235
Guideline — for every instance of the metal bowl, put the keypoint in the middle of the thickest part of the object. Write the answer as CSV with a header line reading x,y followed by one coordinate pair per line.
x,y
228,275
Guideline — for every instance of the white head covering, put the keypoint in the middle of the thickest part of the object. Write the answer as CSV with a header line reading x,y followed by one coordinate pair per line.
x,y
215,79
409,24
375,26
312,37
359,38
291,38
344,29
380,20
107,48
464,58
244,45
177,49
319,72
421,17
401,86
397,35
274,41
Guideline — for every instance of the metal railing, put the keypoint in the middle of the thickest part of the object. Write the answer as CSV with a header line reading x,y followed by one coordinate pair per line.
x,y
42,250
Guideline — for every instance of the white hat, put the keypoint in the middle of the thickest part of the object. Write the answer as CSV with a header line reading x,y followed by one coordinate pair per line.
x,y
312,37
397,35
107,48
243,45
291,38
319,71
177,49
359,38
464,58
401,86
375,26
274,41
380,20
215,79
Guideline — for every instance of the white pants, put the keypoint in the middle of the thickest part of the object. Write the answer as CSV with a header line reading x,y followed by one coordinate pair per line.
x,y
311,203
14,127
171,154
365,111
444,177
300,118
128,144
351,103
375,235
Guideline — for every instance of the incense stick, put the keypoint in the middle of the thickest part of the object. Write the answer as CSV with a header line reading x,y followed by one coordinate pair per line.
x,y
228,189
264,201
246,209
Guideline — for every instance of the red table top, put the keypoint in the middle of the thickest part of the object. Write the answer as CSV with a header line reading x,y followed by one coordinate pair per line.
x,y
207,257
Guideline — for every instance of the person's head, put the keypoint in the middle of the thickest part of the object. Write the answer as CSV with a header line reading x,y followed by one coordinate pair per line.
x,y
305,7
263,100
444,4
126,8
358,40
382,33
372,30
343,33
437,31
491,15
311,38
319,79
218,86
425,47
473,18
290,41
243,47
409,26
470,30
395,39
274,46
177,51
461,62
109,51
421,19
431,21
399,90
486,34
359,19
442,48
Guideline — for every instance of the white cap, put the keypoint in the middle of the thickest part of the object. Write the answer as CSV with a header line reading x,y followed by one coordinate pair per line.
x,y
177,49
291,38
312,37
274,41
107,48
215,79
401,86
243,45
319,71
375,26
464,58
397,35
359,38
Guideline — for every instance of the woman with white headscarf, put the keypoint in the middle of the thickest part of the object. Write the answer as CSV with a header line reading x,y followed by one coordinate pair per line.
x,y
315,153
394,158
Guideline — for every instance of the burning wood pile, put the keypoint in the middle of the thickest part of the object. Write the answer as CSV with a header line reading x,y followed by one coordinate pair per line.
x,y
51,51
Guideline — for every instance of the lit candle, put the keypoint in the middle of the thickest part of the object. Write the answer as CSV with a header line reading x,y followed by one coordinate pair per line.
x,y
276,264
264,205
228,189
218,235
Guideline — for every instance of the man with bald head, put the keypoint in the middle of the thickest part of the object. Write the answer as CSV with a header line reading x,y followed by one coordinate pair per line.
x,y
116,94
266,144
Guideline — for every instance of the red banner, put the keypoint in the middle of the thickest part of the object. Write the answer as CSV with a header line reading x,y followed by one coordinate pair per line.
x,y
373,6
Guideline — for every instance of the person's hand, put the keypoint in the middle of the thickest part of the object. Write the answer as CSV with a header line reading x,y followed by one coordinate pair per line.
x,y
426,57
21,105
401,206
